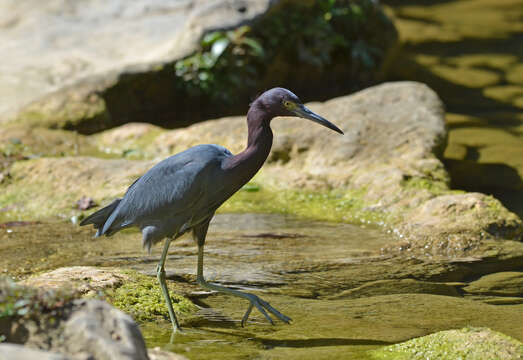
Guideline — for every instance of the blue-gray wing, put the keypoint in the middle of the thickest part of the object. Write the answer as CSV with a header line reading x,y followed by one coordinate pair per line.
x,y
179,191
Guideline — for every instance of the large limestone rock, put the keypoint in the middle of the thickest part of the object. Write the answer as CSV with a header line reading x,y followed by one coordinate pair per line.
x,y
78,40
95,66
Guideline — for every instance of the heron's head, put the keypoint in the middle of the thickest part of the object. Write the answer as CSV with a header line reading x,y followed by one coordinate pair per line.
x,y
282,102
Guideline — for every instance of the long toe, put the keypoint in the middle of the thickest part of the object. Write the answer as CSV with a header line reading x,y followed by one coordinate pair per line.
x,y
263,306
275,312
246,316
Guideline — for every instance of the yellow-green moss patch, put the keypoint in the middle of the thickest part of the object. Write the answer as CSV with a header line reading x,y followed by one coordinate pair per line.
x,y
142,298
329,205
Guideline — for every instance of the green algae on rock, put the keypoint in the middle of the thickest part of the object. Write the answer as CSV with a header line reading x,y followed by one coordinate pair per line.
x,y
467,343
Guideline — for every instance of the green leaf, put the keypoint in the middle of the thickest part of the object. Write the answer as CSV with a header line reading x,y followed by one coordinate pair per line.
x,y
210,38
255,46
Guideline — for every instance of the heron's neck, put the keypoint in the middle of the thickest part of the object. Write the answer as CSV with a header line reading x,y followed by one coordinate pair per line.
x,y
259,142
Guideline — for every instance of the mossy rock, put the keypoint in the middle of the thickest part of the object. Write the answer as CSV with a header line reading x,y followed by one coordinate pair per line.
x,y
467,343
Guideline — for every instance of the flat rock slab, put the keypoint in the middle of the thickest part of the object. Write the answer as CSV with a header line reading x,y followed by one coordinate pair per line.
x,y
84,279
78,40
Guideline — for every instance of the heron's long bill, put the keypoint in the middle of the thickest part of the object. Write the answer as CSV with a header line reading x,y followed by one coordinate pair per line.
x,y
303,112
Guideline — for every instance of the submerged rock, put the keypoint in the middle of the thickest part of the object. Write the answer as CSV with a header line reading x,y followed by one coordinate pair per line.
x,y
398,286
498,284
466,343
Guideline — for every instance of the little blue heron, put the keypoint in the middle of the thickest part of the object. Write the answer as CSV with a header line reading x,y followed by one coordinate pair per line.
x,y
182,192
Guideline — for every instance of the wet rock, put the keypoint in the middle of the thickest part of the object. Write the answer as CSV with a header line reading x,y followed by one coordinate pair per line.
x,y
20,352
500,284
77,82
469,343
339,328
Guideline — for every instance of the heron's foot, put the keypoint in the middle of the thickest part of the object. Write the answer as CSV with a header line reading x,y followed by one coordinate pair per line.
x,y
263,306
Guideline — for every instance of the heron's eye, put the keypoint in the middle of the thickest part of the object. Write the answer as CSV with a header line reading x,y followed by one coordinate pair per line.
x,y
289,104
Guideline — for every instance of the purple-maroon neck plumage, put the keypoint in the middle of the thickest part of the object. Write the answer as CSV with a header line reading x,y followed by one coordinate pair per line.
x,y
259,142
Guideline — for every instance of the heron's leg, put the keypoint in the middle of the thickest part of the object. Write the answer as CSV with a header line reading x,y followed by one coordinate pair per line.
x,y
254,300
160,274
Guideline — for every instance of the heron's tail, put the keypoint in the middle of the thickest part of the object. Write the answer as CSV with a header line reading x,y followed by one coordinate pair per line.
x,y
99,218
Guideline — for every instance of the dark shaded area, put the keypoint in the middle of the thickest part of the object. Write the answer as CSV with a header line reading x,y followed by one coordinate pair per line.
x,y
484,176
303,343
458,98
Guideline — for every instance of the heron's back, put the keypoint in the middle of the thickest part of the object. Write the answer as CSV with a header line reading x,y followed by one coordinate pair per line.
x,y
171,197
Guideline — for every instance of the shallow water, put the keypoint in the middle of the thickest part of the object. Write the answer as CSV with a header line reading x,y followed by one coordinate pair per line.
x,y
234,241
300,266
